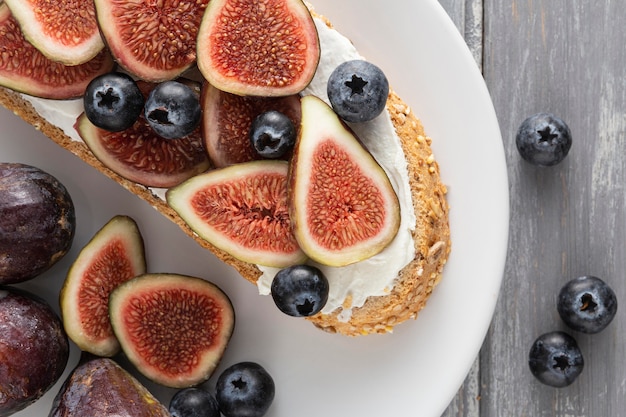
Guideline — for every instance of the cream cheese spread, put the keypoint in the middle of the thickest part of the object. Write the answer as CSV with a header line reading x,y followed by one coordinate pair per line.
x,y
372,277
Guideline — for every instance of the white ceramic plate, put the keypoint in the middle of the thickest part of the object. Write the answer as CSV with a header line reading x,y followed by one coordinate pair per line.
x,y
416,370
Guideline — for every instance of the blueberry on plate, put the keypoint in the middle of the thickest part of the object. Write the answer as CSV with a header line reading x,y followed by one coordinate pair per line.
x,y
300,290
357,90
173,110
113,101
555,359
272,134
245,389
543,139
587,304
194,402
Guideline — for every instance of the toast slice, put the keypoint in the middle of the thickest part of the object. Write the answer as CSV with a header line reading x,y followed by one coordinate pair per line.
x,y
431,233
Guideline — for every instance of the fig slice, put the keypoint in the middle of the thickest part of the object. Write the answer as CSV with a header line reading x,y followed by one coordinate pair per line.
x,y
227,119
341,202
153,40
25,69
173,328
114,255
242,210
141,155
65,31
261,48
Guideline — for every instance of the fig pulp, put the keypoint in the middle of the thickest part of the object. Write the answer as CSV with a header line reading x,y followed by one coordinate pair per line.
x,y
100,387
114,255
227,118
341,201
37,222
142,156
173,328
23,68
258,48
34,350
241,209
155,41
65,31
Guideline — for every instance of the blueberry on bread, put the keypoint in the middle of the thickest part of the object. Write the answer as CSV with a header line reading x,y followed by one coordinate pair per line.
x,y
369,295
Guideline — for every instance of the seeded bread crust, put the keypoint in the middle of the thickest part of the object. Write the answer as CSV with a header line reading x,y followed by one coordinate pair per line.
x,y
415,282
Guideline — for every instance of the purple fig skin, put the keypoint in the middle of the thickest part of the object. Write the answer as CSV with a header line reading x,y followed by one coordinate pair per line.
x,y
100,387
37,222
34,349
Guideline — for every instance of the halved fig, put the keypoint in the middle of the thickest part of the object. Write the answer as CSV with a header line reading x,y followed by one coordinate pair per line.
x,y
173,328
227,118
155,41
142,156
23,68
263,48
114,255
241,209
65,31
341,202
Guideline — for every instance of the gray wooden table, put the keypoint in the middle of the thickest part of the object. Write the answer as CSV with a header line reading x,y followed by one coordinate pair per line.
x,y
567,57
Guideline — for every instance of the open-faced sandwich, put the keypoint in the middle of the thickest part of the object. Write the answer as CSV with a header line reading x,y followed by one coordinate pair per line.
x,y
257,128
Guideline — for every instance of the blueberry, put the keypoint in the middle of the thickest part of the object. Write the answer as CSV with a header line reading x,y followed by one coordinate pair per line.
x,y
587,304
272,134
173,110
543,139
245,389
113,101
300,290
555,359
194,402
358,90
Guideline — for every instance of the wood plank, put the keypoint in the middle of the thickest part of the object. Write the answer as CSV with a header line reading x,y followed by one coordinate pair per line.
x,y
468,18
566,57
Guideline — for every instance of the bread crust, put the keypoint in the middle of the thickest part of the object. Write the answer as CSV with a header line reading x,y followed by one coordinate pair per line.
x,y
379,314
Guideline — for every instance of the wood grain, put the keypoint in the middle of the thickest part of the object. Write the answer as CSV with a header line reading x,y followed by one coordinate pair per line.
x,y
565,57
